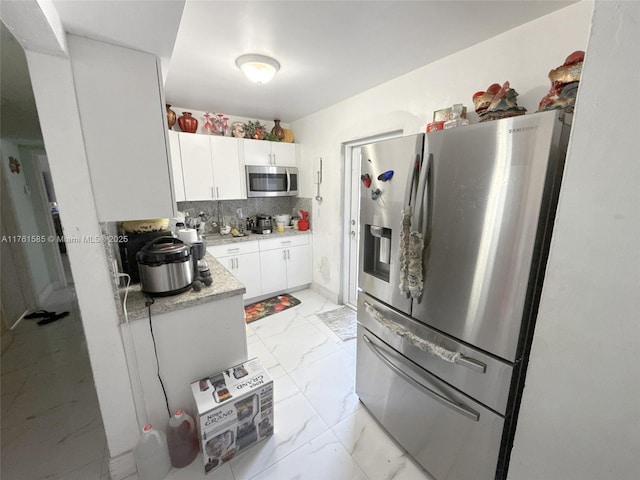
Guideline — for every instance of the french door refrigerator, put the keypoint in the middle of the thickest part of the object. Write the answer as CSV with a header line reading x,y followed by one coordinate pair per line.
x,y
454,235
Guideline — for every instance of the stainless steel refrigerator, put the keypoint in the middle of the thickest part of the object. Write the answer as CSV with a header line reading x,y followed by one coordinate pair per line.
x,y
455,229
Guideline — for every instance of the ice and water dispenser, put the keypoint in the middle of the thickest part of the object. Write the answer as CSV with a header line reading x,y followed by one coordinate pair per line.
x,y
377,251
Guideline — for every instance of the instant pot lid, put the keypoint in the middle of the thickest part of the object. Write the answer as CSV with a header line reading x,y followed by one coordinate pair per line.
x,y
163,250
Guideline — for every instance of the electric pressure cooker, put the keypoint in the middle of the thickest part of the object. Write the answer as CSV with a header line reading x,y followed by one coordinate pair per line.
x,y
165,266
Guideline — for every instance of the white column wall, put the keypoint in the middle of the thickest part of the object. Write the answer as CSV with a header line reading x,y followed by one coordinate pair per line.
x,y
62,133
580,414
522,56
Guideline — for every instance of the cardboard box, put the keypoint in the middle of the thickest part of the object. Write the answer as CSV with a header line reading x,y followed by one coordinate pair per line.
x,y
234,410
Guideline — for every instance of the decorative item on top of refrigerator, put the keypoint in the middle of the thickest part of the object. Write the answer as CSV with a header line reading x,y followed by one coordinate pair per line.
x,y
234,410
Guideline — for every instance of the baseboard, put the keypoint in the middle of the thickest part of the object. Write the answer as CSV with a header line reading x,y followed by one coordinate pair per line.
x,y
325,292
46,293
123,467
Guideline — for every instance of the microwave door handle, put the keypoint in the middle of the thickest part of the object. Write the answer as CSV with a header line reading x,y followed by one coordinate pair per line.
x,y
288,181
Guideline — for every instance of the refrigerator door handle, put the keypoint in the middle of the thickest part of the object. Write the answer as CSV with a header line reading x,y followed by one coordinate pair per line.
x,y
471,364
420,197
459,408
412,186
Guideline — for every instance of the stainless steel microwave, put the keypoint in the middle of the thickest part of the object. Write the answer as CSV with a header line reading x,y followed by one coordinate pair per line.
x,y
267,181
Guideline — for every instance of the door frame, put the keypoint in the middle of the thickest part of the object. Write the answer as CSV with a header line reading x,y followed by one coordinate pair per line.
x,y
349,196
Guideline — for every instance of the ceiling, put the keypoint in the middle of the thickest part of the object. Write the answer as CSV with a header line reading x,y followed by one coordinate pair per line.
x,y
328,50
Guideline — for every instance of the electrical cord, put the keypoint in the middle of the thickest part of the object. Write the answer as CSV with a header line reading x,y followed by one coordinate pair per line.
x,y
148,304
130,352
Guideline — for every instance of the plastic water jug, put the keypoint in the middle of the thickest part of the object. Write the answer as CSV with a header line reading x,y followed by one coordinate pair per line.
x,y
152,455
182,439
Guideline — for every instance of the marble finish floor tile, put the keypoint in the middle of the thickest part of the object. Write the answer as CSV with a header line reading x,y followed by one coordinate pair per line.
x,y
321,430
329,384
323,458
376,452
51,423
300,346
295,423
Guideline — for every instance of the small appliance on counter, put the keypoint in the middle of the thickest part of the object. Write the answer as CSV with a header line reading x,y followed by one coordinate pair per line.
x,y
166,266
129,248
262,224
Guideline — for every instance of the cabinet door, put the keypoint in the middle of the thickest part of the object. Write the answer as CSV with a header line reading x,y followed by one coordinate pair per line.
x,y
229,263
273,270
176,166
298,266
257,152
227,169
197,167
119,94
248,272
283,154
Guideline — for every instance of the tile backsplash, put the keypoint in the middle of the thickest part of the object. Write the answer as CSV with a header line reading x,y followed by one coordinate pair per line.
x,y
223,211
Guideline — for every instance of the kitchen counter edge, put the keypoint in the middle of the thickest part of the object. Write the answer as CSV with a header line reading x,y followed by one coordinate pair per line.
x,y
224,285
217,239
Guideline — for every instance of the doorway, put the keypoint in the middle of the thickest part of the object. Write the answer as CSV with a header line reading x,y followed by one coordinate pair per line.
x,y
351,214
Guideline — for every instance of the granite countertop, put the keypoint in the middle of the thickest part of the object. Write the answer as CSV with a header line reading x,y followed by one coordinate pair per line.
x,y
217,239
224,285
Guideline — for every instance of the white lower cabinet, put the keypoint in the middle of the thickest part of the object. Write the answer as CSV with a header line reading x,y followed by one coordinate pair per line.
x,y
267,266
285,262
242,259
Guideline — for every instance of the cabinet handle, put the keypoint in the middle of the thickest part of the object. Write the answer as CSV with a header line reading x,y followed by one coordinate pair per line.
x,y
284,254
288,255
274,158
213,193
217,193
235,259
233,250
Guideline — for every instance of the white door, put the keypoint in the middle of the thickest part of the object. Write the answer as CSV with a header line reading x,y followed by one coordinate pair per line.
x,y
351,215
354,225
273,270
227,172
176,166
247,270
298,266
197,167
284,154
256,152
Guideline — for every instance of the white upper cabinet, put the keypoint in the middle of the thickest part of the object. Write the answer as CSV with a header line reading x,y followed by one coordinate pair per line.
x,y
197,167
212,167
176,166
121,103
262,152
228,168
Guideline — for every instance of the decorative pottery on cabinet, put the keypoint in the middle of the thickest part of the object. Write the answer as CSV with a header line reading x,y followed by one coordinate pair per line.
x,y
277,130
188,123
171,117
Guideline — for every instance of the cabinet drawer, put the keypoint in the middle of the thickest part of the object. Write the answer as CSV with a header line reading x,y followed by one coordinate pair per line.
x,y
283,242
239,248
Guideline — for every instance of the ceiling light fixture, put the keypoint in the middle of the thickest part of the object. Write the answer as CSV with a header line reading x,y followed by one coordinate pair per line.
x,y
258,68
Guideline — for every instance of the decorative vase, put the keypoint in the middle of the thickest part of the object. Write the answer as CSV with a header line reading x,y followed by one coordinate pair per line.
x,y
278,131
171,116
188,123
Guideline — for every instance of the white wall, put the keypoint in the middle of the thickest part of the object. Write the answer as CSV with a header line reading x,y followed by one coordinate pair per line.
x,y
580,414
29,210
522,56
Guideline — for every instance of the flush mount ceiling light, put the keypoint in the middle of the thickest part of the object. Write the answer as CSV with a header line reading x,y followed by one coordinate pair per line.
x,y
258,68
